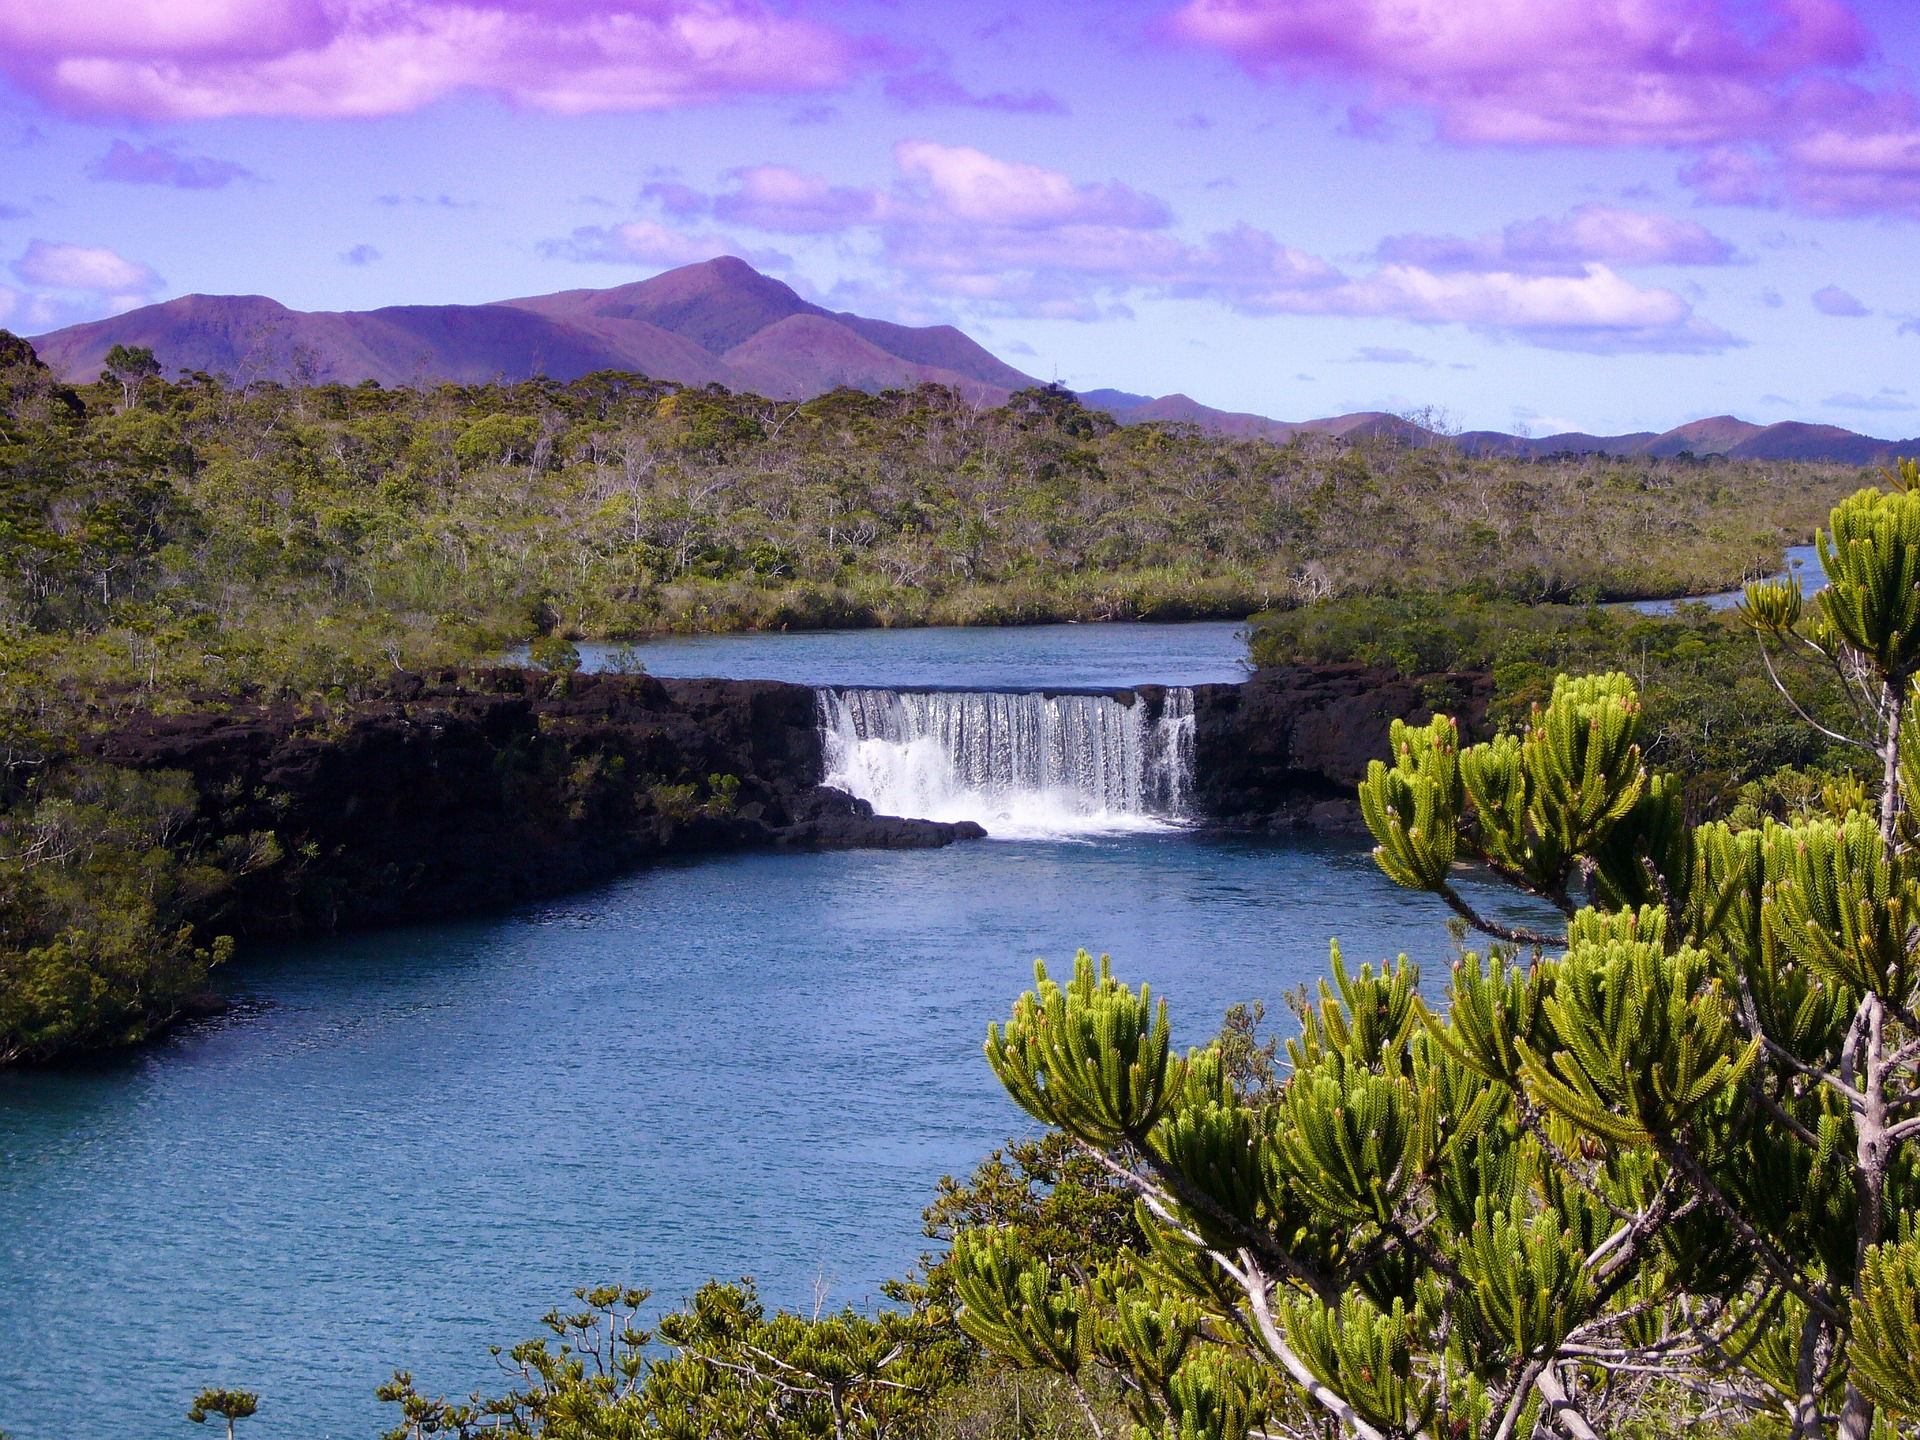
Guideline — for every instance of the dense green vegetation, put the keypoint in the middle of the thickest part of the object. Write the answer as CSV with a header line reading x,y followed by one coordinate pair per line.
x,y
1649,1171
1652,1170
1711,713
194,533
171,544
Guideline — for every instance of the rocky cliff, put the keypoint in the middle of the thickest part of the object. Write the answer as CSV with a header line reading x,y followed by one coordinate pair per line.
x,y
1286,748
467,790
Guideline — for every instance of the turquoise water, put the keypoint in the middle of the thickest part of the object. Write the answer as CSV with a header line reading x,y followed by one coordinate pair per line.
x,y
402,1147
1024,657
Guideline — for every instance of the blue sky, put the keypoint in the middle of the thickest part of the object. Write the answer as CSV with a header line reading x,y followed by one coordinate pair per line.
x,y
1597,214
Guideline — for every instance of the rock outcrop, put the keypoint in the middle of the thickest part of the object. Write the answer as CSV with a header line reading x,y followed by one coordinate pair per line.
x,y
1286,748
463,791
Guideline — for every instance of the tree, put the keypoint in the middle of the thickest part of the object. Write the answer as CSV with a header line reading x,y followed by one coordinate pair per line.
x,y
229,1405
130,367
718,1366
1655,1161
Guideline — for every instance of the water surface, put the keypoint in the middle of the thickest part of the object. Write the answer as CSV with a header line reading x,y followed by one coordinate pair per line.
x,y
981,657
1802,563
403,1147
407,1145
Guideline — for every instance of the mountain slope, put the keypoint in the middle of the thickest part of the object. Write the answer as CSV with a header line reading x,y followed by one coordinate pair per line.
x,y
718,322
721,322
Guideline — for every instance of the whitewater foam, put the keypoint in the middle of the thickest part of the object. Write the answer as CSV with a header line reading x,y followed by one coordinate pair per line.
x,y
1026,766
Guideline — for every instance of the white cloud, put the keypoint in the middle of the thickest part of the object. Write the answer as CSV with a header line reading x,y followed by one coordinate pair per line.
x,y
1010,237
84,267
647,242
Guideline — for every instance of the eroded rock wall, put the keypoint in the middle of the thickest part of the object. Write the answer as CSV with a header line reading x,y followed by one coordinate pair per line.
x,y
1286,748
463,791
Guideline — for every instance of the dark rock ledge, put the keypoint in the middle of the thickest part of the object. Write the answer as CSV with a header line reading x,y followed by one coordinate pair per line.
x,y
468,790
1286,749
465,790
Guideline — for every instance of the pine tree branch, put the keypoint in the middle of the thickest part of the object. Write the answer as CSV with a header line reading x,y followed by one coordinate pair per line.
x,y
1179,1192
1561,1406
1530,1121
1516,1400
1260,1301
1800,710
1679,1156
1459,905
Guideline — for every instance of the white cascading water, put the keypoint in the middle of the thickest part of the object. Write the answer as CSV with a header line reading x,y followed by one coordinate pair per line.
x,y
1025,766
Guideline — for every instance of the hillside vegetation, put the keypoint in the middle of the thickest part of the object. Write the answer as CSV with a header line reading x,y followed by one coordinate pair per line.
x,y
197,533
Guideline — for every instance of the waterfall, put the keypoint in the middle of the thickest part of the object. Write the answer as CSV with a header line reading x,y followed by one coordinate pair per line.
x,y
1023,765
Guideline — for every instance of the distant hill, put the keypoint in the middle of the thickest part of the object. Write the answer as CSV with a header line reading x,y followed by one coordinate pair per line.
x,y
720,321
1720,435
723,322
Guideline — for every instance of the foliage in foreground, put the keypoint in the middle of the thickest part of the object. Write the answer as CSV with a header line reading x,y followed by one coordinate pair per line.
x,y
97,893
1666,1163
726,1368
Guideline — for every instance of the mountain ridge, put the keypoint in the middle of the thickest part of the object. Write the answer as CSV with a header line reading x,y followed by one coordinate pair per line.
x,y
722,322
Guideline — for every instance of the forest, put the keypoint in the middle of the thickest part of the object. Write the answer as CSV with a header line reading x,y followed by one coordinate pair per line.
x,y
185,532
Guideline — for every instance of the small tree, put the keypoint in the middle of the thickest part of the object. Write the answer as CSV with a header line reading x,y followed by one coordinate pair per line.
x,y
130,367
229,1405
1661,1155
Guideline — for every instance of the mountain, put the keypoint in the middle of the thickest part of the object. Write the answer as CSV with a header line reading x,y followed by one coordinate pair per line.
x,y
723,322
718,322
1720,435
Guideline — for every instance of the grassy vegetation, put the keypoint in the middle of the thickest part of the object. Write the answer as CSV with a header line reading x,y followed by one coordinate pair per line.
x,y
193,533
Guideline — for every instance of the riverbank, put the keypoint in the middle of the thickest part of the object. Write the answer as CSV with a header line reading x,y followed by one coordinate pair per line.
x,y
464,790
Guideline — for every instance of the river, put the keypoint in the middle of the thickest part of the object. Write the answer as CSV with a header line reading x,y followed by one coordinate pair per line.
x,y
403,1146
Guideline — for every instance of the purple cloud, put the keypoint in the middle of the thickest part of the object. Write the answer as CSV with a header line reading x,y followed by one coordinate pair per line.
x,y
1756,87
359,255
649,243
1832,300
1008,237
1577,72
165,165
1590,234
773,197
1888,401
197,59
675,198
93,268
1387,355
437,202
928,89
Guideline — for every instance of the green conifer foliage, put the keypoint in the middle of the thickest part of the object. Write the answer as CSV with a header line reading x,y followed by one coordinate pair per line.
x,y
1667,1151
1886,1336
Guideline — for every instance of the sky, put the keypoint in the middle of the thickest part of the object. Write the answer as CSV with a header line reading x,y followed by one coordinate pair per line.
x,y
1530,215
